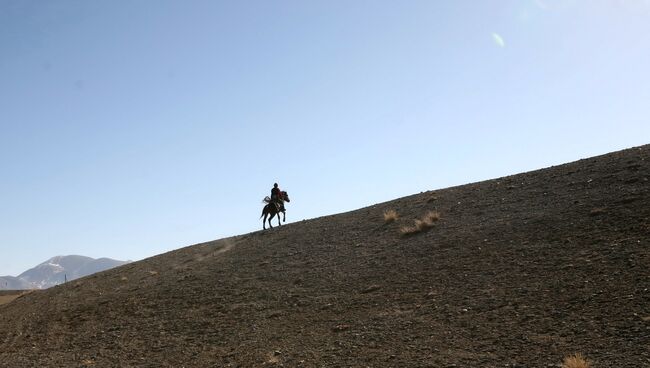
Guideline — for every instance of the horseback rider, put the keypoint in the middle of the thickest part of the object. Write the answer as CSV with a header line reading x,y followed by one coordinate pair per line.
x,y
276,195
274,205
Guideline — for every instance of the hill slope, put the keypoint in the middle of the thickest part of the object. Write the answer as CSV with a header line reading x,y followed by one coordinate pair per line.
x,y
519,272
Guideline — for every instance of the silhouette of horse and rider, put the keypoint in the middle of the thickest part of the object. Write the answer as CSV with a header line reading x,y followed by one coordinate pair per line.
x,y
275,206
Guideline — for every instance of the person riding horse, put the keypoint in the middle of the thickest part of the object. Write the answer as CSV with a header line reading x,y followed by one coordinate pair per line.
x,y
274,205
276,196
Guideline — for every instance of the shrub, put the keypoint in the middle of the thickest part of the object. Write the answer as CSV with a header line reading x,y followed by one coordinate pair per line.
x,y
431,217
409,230
424,224
575,361
390,216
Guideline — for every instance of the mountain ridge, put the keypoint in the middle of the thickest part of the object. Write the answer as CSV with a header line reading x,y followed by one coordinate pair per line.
x,y
57,270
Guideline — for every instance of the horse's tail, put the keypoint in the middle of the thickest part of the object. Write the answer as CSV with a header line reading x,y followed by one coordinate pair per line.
x,y
263,210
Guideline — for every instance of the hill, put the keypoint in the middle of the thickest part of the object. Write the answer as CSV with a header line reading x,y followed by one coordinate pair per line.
x,y
56,271
519,271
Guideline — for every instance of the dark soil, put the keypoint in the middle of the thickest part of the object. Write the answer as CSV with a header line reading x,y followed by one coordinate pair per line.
x,y
519,271
7,296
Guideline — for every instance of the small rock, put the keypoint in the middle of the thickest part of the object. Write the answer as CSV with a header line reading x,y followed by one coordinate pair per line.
x,y
597,212
370,289
341,328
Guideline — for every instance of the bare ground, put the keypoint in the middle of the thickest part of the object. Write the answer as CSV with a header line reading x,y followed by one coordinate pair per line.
x,y
7,296
518,272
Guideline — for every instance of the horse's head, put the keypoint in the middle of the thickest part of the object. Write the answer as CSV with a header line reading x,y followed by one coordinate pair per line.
x,y
285,196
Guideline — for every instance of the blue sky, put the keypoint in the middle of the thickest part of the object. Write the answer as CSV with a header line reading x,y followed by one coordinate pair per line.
x,y
130,128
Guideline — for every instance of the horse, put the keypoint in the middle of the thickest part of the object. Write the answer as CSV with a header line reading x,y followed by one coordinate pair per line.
x,y
272,209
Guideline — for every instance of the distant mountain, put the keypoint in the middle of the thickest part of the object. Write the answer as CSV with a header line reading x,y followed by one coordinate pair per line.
x,y
13,283
56,271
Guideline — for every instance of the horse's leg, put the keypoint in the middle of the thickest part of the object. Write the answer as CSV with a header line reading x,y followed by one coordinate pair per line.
x,y
264,220
271,218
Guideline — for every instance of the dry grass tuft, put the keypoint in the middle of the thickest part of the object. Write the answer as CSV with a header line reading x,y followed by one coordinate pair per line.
x,y
575,361
431,217
422,225
390,216
426,223
274,357
409,230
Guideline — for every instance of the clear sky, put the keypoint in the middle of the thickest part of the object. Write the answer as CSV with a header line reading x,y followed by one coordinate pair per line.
x,y
131,128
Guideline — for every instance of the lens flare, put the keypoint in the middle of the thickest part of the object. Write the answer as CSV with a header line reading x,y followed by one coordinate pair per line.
x,y
498,40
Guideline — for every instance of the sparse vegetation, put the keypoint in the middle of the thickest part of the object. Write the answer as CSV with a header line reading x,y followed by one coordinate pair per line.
x,y
390,216
575,361
424,224
409,230
274,357
431,217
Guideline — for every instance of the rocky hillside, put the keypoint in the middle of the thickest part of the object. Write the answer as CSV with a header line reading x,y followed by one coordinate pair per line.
x,y
519,271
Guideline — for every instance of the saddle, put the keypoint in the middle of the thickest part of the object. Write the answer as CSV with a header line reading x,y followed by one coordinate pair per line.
x,y
278,203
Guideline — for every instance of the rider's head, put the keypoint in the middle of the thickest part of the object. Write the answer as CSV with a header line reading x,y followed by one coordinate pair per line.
x,y
275,185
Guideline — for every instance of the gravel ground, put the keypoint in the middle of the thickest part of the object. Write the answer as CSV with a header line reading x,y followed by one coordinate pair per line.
x,y
519,271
